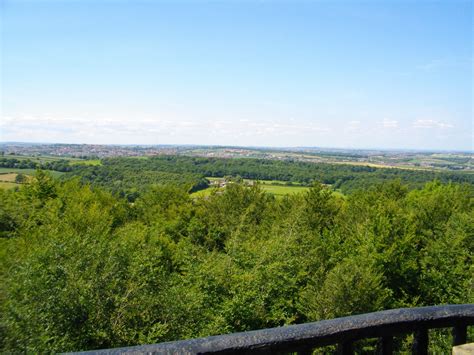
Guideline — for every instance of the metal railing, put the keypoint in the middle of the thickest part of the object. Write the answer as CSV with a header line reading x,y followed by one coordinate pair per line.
x,y
303,338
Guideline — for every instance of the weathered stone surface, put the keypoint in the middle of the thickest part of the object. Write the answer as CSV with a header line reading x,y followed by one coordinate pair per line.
x,y
464,349
304,336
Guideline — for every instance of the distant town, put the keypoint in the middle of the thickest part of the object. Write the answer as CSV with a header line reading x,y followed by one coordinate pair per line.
x,y
378,158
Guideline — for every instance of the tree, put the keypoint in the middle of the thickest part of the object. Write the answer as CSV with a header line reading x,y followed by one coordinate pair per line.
x,y
82,268
354,286
20,178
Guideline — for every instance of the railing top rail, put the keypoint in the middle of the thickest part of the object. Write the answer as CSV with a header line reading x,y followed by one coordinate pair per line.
x,y
377,324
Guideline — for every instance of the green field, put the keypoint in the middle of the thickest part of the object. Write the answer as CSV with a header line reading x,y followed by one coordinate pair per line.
x,y
276,190
15,170
203,193
39,158
7,185
281,190
7,176
29,171
274,187
92,162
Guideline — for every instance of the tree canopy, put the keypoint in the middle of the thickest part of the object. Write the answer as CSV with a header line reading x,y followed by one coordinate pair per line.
x,y
82,268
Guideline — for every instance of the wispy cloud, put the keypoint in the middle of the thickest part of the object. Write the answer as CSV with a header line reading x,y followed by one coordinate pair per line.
x,y
431,124
388,123
440,63
432,65
353,127
354,123
158,130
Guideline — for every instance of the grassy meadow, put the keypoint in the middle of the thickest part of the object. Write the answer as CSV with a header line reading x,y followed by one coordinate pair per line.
x,y
8,176
28,171
7,185
282,190
274,187
8,180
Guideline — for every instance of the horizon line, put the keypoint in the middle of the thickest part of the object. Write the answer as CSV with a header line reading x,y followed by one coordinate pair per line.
x,y
424,150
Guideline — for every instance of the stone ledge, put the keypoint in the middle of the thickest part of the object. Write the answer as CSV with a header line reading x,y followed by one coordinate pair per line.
x,y
464,349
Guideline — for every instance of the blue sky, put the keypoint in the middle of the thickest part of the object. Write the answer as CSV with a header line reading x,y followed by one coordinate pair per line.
x,y
356,74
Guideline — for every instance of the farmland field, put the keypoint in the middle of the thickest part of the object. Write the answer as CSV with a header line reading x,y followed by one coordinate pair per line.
x,y
16,170
281,190
41,158
8,180
92,162
204,193
8,177
7,185
28,171
274,187
277,190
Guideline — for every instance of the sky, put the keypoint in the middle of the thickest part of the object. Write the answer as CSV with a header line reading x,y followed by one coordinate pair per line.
x,y
394,74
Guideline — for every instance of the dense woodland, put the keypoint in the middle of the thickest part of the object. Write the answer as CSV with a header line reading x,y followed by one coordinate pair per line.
x,y
84,268
130,176
62,165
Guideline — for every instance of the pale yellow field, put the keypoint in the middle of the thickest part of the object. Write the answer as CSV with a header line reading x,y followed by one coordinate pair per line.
x,y
385,166
7,180
9,177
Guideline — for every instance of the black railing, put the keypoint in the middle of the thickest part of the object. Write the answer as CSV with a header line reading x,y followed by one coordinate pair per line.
x,y
303,338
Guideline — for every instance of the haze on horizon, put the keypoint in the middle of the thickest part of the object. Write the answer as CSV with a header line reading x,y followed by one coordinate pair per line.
x,y
395,74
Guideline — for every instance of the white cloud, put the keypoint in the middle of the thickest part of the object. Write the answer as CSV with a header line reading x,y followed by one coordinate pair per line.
x,y
441,63
354,123
216,128
150,131
431,124
433,64
388,123
352,126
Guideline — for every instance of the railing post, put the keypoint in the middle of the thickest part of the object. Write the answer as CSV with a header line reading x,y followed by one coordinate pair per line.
x,y
459,334
387,345
420,344
346,348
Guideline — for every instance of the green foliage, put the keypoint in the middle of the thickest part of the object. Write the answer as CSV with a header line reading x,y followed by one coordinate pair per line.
x,y
82,268
353,286
20,178
130,178
62,165
125,175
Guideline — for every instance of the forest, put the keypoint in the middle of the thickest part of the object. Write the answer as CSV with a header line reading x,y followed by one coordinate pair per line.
x,y
82,267
131,176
